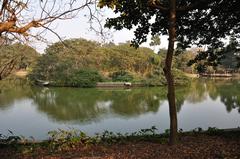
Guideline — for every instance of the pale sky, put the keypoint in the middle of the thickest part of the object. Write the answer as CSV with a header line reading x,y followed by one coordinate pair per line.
x,y
80,28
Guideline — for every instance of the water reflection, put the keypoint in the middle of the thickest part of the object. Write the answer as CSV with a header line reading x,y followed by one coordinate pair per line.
x,y
229,94
68,104
227,90
93,105
13,91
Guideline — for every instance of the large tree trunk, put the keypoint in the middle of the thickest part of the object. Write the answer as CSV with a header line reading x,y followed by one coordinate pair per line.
x,y
168,73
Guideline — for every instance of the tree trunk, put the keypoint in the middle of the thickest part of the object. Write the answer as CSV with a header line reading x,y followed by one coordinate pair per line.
x,y
168,73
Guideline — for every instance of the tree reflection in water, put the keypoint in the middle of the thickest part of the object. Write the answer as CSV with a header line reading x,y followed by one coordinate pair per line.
x,y
13,91
64,104
88,105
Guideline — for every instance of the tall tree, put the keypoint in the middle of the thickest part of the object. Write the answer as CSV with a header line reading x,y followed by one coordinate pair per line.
x,y
187,21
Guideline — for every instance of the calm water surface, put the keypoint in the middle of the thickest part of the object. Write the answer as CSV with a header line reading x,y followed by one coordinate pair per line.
x,y
33,111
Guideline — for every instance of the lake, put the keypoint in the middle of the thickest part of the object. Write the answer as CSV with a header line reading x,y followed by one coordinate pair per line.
x,y
33,111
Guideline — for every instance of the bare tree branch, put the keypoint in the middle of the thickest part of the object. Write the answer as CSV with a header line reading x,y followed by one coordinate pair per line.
x,y
16,16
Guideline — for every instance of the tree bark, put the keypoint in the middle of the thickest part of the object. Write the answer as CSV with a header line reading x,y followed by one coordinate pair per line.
x,y
168,73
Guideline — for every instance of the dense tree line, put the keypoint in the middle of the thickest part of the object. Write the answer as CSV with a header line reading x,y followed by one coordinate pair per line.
x,y
68,63
63,62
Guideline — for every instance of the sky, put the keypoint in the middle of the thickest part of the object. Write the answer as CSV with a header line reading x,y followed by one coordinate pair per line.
x,y
79,27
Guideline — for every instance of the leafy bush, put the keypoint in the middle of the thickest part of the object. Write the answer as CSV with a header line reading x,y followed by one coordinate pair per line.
x,y
121,76
84,78
64,140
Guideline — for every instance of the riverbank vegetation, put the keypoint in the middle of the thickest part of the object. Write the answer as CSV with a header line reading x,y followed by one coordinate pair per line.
x,y
146,143
83,63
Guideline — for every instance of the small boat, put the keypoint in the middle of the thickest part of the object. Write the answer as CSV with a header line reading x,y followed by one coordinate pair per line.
x,y
42,83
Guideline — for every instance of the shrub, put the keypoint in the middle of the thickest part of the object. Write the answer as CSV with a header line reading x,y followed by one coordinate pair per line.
x,y
121,76
84,78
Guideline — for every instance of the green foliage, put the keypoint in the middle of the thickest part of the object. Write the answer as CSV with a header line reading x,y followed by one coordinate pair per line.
x,y
64,140
205,60
121,76
201,68
158,79
84,78
78,64
81,63
155,40
204,23
213,131
194,25
180,78
15,57
45,68
61,140
63,74
225,57
74,65
231,54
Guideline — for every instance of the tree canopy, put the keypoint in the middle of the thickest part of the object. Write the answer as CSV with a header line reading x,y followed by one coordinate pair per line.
x,y
198,22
